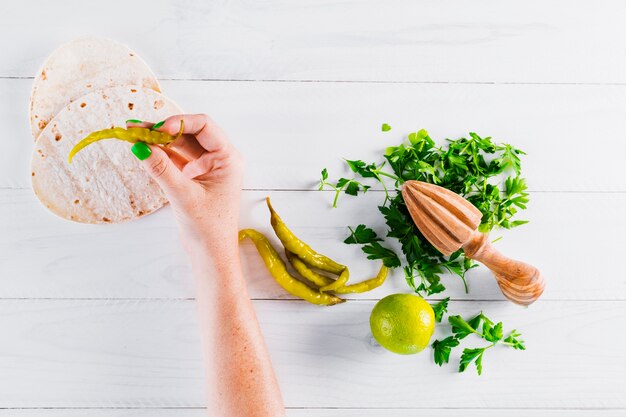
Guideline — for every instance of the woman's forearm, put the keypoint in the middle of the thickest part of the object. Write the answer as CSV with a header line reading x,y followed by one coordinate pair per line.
x,y
203,182
240,378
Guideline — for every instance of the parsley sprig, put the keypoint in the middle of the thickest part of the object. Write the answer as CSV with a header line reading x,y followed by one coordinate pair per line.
x,y
369,239
349,186
440,309
480,326
472,167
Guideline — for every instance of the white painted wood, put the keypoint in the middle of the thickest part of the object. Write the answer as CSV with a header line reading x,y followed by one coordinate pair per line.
x,y
288,132
89,357
60,353
44,256
404,40
308,412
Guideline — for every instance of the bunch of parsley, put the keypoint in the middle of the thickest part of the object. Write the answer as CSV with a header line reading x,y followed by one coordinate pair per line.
x,y
485,173
471,167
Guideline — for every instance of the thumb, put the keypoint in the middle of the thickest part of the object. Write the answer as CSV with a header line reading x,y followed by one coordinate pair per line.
x,y
160,167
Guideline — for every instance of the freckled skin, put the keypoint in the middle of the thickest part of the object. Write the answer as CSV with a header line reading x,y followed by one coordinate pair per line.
x,y
203,181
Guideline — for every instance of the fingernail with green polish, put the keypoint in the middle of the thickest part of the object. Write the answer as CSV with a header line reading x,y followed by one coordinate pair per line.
x,y
141,150
133,121
158,125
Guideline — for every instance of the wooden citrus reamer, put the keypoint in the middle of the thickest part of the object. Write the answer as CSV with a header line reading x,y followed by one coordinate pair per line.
x,y
450,222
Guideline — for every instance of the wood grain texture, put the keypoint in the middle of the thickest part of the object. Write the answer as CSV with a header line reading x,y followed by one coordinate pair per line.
x,y
446,219
44,256
520,282
288,132
452,40
60,353
450,222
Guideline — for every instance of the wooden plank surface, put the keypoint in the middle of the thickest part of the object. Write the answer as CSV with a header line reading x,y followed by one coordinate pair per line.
x,y
405,40
86,329
145,354
288,132
54,258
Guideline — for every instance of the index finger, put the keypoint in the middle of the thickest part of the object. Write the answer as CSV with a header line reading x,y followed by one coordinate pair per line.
x,y
206,131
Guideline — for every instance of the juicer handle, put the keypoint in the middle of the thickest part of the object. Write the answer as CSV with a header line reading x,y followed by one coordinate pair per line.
x,y
519,282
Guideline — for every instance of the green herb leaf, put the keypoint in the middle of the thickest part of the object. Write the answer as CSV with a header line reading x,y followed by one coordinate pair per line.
x,y
476,321
418,137
440,308
510,158
493,334
361,235
375,250
442,349
342,182
460,327
513,339
352,188
472,355
385,127
355,165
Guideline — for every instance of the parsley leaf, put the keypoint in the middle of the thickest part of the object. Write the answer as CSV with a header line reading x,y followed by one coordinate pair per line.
x,y
347,185
442,349
460,328
375,250
472,355
385,127
324,175
509,159
365,236
493,334
361,235
440,309
353,187
514,341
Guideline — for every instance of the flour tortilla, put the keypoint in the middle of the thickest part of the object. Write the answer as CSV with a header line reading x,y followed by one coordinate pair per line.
x,y
105,182
80,67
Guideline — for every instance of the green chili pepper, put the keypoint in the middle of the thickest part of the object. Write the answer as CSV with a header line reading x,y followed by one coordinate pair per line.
x,y
278,269
306,254
367,285
132,134
322,280
298,247
313,277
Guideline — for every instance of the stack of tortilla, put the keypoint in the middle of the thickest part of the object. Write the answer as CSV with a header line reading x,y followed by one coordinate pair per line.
x,y
86,85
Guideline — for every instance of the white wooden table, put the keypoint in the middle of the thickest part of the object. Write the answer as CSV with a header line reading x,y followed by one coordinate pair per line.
x,y
100,321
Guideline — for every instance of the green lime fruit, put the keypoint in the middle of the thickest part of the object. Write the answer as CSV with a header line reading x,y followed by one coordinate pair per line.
x,y
403,323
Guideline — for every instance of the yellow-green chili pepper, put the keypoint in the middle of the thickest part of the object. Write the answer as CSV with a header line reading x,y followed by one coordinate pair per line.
x,y
367,285
313,277
306,254
322,280
278,269
132,135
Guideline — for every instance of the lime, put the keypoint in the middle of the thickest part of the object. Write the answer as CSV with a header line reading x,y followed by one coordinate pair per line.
x,y
403,323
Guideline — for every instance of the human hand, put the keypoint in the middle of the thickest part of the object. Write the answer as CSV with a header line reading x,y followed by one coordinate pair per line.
x,y
201,174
